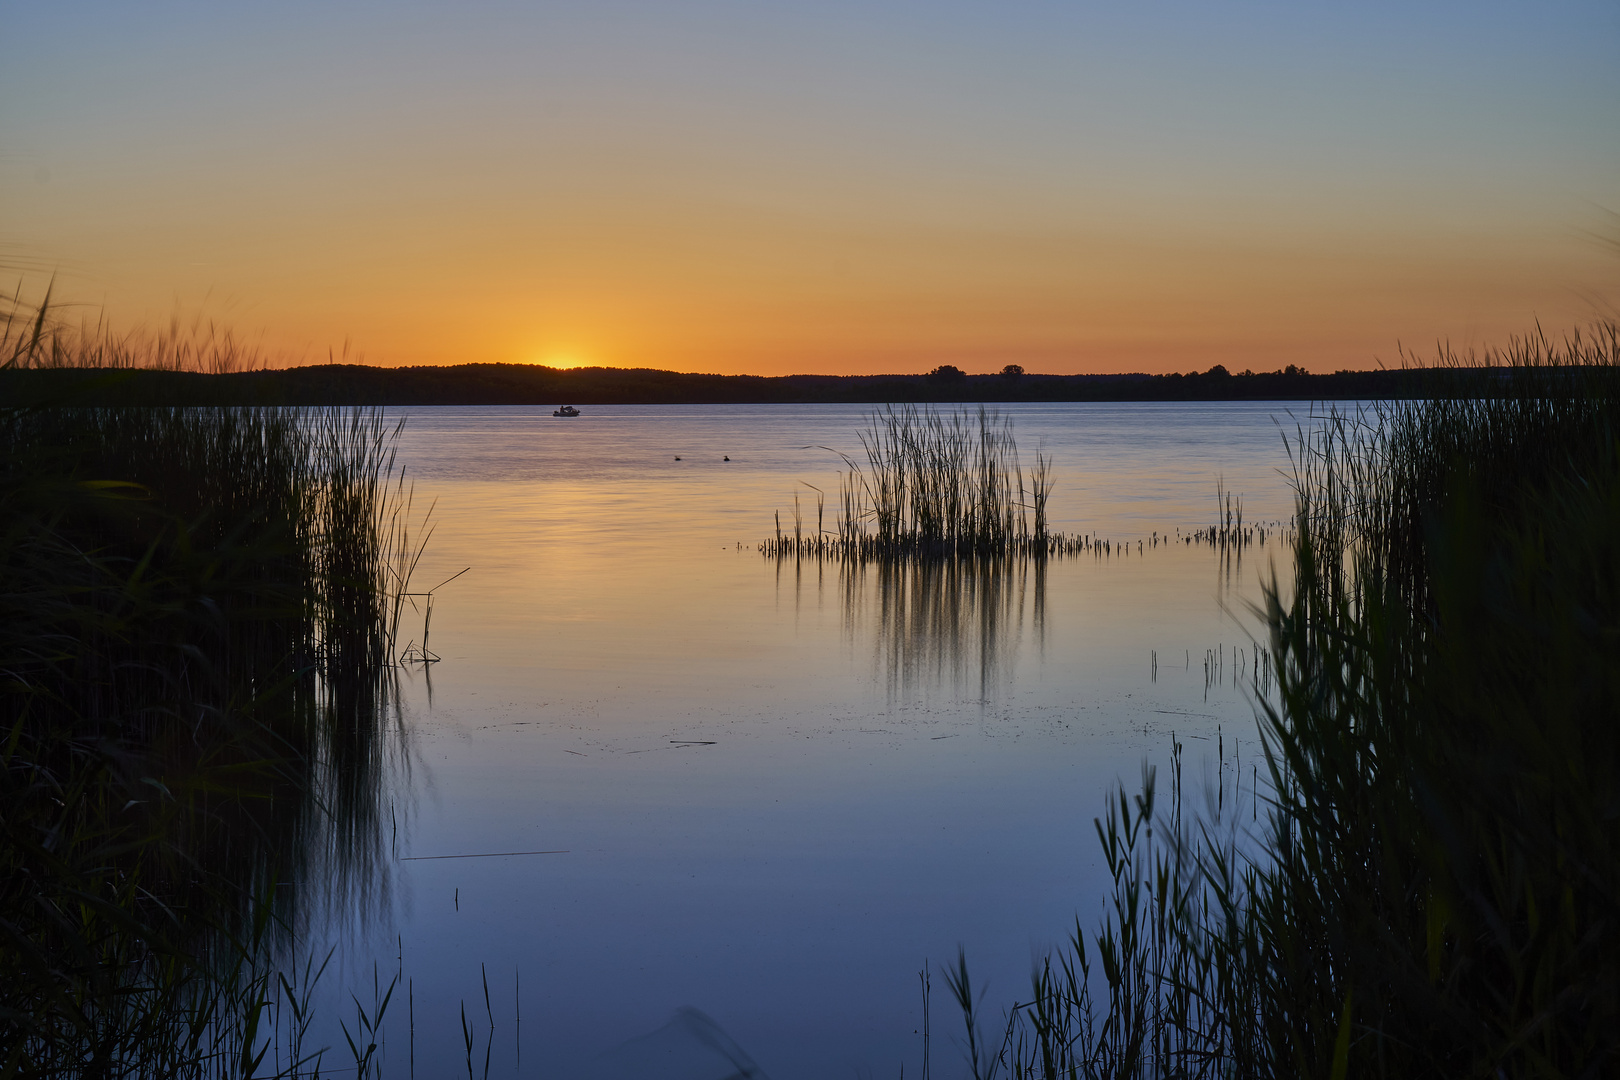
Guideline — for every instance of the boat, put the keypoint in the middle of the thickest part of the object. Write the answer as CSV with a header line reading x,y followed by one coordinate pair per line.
x,y
566,410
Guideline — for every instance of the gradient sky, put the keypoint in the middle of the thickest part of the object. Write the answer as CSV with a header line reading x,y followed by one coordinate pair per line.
x,y
821,187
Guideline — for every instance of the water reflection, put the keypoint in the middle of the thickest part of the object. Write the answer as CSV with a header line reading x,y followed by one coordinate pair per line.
x,y
297,809
342,852
789,877
690,1047
937,623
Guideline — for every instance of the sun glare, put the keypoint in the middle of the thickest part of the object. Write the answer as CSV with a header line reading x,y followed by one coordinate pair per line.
x,y
563,360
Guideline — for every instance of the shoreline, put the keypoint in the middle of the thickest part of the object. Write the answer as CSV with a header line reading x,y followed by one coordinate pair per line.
x,y
523,384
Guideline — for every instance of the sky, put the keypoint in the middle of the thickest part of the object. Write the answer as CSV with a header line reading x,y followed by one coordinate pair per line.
x,y
832,187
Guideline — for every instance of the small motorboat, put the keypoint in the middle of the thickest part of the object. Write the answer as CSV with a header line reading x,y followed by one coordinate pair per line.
x,y
566,410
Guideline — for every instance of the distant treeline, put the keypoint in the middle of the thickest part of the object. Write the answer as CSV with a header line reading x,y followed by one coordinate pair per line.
x,y
526,384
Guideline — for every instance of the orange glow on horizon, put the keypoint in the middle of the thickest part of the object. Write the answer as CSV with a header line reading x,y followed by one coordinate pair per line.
x,y
565,360
1067,188
776,301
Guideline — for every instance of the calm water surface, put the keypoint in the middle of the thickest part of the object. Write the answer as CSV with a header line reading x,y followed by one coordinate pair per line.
x,y
774,789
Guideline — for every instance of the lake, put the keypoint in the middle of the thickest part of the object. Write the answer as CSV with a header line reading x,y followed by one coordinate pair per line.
x,y
770,790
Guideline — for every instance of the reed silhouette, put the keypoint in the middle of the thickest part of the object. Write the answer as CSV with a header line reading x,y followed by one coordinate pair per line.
x,y
197,649
1426,878
933,485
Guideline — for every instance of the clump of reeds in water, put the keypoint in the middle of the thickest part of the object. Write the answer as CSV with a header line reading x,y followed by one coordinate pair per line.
x,y
1229,535
932,485
1432,889
197,620
950,485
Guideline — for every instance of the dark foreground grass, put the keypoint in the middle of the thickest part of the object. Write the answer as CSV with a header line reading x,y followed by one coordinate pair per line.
x,y
1431,880
197,614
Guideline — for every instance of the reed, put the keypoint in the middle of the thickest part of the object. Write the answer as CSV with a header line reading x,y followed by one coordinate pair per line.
x,y
950,486
39,335
196,649
1446,759
933,485
1229,536
1427,880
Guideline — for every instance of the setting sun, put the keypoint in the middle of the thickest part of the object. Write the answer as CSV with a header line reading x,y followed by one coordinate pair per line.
x,y
563,360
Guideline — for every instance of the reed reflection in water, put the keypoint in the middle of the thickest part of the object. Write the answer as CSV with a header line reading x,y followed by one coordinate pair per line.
x,y
935,623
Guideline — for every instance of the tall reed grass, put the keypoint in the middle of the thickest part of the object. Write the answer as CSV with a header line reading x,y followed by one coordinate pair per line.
x,y
950,485
39,335
933,485
198,612
1429,881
